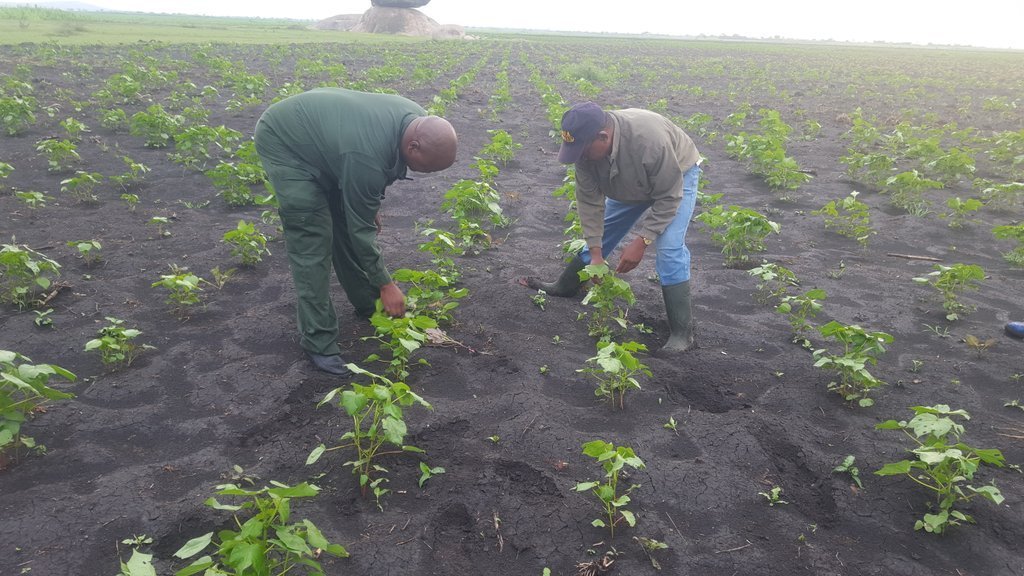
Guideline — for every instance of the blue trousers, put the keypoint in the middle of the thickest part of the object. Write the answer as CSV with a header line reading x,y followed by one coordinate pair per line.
x,y
673,257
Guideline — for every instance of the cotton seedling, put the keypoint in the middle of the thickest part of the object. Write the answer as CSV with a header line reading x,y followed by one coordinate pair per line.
x,y
23,273
115,343
859,350
951,282
24,388
264,542
377,413
614,460
616,368
943,464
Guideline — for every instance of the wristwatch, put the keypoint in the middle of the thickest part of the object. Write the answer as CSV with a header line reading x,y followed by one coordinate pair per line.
x,y
647,241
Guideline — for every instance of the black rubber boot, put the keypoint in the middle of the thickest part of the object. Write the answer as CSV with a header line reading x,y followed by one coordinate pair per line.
x,y
567,284
680,318
332,364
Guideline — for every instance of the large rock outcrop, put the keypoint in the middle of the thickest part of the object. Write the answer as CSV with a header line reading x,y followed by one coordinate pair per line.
x,y
403,21
392,17
400,3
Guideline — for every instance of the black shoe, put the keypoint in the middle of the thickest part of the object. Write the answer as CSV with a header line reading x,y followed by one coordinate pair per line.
x,y
332,364
568,282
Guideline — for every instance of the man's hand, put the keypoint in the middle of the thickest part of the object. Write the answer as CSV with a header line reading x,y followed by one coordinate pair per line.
x,y
379,223
631,255
392,299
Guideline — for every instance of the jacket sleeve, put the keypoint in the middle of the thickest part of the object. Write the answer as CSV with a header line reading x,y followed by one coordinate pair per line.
x,y
361,191
666,180
589,206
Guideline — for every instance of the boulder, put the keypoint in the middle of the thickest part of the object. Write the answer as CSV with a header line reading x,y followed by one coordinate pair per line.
x,y
404,21
400,3
339,22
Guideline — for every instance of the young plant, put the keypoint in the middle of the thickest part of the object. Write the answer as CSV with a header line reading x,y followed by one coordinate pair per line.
x,y
474,202
960,211
247,243
183,290
1015,232
604,296
501,148
773,281
859,349
613,459
616,369
135,174
234,181
798,309
399,338
17,112
23,272
265,543
773,496
114,120
650,546
540,299
161,223
739,231
32,198
42,319
848,467
221,278
82,186
950,282
426,472
376,410
156,126
906,191
943,464
848,217
115,343
61,155
24,387
74,129
431,294
89,250
443,246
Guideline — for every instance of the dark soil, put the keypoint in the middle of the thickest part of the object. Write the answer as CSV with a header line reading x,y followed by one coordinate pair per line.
x,y
139,449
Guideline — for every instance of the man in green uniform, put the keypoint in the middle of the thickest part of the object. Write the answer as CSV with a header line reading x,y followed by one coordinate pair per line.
x,y
330,153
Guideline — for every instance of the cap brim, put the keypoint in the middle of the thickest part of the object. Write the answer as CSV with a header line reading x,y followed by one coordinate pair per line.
x,y
570,152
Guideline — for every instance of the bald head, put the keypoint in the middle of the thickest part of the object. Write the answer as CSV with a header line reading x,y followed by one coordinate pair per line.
x,y
429,144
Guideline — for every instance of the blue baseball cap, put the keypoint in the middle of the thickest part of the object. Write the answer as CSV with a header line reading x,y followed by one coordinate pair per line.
x,y
580,124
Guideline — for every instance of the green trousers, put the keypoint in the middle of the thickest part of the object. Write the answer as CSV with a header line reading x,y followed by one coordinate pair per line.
x,y
316,238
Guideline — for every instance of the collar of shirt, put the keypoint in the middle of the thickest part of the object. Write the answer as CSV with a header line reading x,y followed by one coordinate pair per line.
x,y
613,168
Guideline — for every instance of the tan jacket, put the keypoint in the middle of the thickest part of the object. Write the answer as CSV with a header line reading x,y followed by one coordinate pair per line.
x,y
648,158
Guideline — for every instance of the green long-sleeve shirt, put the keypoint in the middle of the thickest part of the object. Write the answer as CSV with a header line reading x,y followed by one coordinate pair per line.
x,y
349,141
648,158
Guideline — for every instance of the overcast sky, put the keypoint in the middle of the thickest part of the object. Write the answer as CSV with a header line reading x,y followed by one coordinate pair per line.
x,y
989,23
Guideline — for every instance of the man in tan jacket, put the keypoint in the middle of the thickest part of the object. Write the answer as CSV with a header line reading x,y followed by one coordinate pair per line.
x,y
629,163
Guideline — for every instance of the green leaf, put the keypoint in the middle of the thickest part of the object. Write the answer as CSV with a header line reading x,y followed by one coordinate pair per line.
x,y
895,468
315,454
194,546
200,565
292,541
630,519
304,490
598,523
139,565
990,492
584,486
216,505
